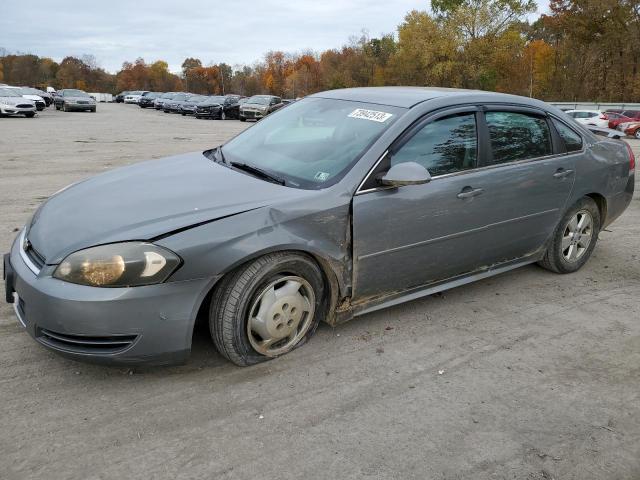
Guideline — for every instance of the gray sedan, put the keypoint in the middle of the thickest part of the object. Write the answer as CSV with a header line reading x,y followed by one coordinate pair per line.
x,y
343,203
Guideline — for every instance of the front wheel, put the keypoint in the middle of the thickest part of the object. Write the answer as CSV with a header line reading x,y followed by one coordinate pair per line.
x,y
267,308
242,119
574,239
223,116
638,134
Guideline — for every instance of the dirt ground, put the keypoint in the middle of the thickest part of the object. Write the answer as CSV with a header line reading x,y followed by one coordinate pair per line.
x,y
528,375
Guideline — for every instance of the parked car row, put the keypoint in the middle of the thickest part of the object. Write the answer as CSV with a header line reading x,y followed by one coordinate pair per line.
x,y
625,121
219,107
38,98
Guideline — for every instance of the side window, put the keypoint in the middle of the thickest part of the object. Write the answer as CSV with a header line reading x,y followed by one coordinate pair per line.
x,y
572,140
444,146
518,136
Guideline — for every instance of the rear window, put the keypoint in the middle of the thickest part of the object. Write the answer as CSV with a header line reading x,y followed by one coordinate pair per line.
x,y
518,136
572,140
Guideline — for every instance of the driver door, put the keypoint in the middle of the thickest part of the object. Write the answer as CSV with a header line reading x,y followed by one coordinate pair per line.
x,y
413,235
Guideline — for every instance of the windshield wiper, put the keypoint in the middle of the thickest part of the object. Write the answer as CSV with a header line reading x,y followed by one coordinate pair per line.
x,y
257,171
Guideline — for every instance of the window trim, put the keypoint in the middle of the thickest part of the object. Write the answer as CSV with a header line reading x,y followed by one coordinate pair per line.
x,y
484,142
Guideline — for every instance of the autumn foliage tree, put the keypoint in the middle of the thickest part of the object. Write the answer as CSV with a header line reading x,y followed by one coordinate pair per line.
x,y
583,50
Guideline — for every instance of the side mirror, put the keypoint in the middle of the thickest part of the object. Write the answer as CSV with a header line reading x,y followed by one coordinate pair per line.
x,y
409,173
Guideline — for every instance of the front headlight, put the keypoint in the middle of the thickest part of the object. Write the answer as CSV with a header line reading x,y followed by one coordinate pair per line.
x,y
128,264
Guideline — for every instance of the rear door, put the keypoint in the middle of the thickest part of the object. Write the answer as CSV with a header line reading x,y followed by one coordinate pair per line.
x,y
529,179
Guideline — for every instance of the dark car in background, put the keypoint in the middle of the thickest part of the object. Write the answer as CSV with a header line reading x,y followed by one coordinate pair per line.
x,y
259,106
120,97
341,204
46,96
220,107
173,105
158,103
188,107
147,99
70,99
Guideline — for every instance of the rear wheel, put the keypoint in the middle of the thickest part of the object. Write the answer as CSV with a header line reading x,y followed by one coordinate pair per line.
x,y
574,239
267,308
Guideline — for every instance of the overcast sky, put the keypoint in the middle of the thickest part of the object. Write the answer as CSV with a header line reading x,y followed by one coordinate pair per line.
x,y
231,31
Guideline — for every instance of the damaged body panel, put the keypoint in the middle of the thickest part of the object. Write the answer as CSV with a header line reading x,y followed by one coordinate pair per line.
x,y
389,193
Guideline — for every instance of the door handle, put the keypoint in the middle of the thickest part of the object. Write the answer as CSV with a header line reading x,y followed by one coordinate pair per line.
x,y
561,173
468,192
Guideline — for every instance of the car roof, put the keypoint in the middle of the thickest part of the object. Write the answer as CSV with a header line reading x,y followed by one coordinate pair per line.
x,y
407,97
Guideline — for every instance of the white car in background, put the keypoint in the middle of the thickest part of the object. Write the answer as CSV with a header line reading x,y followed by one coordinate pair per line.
x,y
37,99
12,103
134,97
595,118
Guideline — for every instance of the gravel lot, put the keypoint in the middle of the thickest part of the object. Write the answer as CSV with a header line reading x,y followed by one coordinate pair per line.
x,y
540,372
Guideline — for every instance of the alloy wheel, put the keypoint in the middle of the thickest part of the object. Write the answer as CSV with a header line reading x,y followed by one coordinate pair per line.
x,y
577,236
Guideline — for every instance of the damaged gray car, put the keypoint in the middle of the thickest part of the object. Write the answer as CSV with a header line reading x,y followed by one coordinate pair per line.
x,y
343,203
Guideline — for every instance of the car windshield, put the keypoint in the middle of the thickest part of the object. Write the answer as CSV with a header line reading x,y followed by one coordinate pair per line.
x,y
196,98
9,92
168,95
312,143
74,93
215,99
260,100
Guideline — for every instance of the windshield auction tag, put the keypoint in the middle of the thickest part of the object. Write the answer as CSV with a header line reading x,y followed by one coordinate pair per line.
x,y
372,115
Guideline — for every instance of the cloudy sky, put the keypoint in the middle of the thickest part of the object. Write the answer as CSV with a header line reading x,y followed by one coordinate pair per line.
x,y
231,31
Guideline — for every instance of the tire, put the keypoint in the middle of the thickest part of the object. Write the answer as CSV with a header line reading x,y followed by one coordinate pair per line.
x,y
637,134
223,116
242,119
240,293
29,115
555,258
93,110
64,107
57,106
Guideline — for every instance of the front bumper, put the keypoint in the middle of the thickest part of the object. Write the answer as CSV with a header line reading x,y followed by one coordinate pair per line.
x,y
80,106
16,110
208,112
252,114
139,325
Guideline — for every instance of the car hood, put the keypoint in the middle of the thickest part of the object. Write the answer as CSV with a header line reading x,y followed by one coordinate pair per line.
x,y
253,105
34,97
147,200
14,100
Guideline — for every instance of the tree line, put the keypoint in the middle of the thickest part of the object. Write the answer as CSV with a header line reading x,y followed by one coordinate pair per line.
x,y
583,50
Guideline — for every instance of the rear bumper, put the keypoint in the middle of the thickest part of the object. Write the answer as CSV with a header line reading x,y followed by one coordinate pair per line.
x,y
140,325
617,204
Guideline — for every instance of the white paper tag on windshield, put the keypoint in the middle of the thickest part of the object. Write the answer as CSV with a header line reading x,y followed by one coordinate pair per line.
x,y
372,115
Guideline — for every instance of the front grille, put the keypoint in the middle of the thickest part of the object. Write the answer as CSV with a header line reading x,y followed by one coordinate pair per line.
x,y
83,102
249,114
85,344
24,105
35,257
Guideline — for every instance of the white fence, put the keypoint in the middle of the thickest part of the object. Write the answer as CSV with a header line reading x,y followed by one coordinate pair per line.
x,y
595,106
